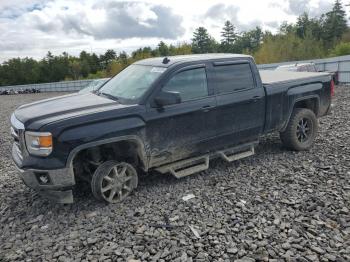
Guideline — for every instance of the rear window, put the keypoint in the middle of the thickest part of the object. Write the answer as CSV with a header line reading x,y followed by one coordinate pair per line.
x,y
230,78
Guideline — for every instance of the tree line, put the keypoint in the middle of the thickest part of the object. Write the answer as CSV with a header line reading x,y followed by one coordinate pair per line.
x,y
308,38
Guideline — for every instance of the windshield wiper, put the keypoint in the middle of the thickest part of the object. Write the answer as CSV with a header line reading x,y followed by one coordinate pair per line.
x,y
108,95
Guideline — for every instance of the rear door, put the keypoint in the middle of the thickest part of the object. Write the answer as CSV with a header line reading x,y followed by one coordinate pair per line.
x,y
240,102
178,131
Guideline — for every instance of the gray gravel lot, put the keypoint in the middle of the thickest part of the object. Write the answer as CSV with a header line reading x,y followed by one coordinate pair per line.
x,y
274,206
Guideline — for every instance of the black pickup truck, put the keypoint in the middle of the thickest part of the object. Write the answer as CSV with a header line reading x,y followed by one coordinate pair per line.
x,y
171,114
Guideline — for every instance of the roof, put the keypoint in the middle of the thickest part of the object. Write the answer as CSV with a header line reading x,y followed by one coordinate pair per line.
x,y
158,61
271,76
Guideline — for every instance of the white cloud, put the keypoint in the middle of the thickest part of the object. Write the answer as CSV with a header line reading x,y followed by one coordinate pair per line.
x,y
33,27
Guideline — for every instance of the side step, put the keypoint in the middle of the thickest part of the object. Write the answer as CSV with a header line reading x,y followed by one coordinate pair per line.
x,y
189,166
230,155
186,167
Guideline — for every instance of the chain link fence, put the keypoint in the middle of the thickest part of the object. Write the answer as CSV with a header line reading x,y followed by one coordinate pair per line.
x,y
64,86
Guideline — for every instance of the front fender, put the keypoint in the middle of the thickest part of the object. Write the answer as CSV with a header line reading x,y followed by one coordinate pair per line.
x,y
78,138
132,138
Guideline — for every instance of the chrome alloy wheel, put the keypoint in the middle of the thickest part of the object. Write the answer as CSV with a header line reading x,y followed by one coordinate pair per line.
x,y
113,181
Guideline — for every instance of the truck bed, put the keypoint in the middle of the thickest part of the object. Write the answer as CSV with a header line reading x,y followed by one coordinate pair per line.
x,y
284,87
270,77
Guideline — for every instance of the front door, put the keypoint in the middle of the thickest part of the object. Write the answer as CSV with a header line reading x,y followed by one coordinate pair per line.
x,y
178,131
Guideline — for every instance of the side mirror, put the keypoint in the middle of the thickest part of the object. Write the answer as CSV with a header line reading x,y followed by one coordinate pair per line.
x,y
167,98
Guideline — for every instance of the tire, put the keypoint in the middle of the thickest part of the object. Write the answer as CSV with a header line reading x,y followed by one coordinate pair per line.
x,y
113,177
301,130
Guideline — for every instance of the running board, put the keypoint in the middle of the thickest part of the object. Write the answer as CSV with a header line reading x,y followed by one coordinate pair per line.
x,y
189,166
186,167
229,155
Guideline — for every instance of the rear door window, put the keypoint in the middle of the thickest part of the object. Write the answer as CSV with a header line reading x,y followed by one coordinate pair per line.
x,y
234,77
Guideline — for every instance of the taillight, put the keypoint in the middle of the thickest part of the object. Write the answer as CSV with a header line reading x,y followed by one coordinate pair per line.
x,y
332,88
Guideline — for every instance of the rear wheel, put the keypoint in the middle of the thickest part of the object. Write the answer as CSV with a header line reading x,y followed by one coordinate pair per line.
x,y
113,181
301,130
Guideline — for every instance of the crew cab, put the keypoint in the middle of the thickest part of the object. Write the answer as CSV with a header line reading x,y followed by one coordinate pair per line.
x,y
168,114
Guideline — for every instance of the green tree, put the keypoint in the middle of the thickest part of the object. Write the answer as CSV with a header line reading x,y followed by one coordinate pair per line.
x,y
94,63
181,49
335,24
163,49
341,49
85,60
75,69
107,57
228,37
18,71
286,28
202,42
142,53
305,25
249,41
123,58
290,47
54,68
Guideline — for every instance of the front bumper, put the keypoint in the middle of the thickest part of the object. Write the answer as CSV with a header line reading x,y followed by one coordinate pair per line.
x,y
55,185
58,183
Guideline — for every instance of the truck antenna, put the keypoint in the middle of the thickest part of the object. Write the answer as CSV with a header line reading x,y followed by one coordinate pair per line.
x,y
166,60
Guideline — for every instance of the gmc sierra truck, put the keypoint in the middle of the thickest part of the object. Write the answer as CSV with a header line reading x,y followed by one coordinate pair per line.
x,y
170,114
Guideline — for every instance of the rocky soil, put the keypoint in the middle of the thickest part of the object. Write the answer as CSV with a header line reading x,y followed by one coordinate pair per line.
x,y
277,205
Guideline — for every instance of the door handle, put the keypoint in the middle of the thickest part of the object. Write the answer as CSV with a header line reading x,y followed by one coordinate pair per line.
x,y
207,108
255,99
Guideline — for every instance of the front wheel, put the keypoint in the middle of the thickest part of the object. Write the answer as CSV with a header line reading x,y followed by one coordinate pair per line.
x,y
301,130
113,181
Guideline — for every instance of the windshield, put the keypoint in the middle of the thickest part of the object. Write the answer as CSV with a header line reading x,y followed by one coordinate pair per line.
x,y
132,82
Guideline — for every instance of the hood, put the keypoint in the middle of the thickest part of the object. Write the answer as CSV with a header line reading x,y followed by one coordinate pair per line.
x,y
61,107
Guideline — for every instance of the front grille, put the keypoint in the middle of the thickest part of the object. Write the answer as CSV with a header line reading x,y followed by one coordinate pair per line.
x,y
14,133
17,130
18,150
16,137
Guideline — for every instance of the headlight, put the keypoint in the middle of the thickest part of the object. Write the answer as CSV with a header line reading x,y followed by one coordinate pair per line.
x,y
39,143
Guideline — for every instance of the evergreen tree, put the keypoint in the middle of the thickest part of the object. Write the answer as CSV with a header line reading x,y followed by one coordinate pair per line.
x,y
163,49
335,23
306,25
84,58
202,42
228,34
302,25
228,38
248,42
108,57
123,58
95,63
142,53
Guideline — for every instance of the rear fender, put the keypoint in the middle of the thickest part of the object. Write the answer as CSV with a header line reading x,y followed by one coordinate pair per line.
x,y
293,105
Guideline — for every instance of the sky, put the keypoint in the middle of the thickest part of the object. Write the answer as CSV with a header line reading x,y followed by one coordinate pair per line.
x,y
31,28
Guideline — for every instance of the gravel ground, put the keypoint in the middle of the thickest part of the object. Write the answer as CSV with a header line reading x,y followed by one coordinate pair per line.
x,y
277,205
